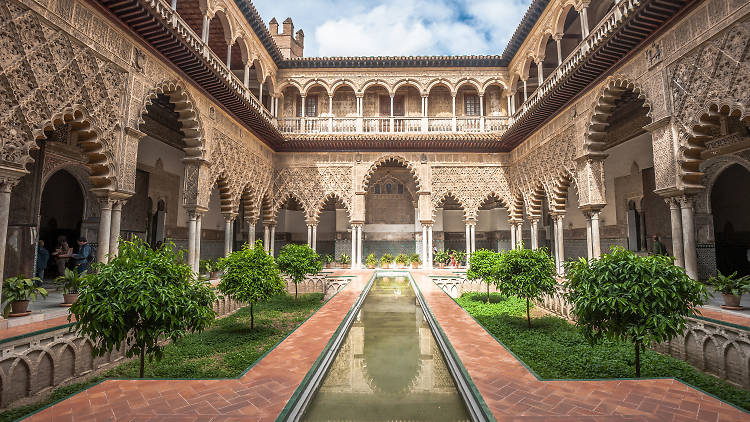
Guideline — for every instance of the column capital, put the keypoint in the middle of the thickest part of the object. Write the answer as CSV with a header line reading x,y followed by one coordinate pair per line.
x,y
558,36
686,201
251,220
8,182
229,216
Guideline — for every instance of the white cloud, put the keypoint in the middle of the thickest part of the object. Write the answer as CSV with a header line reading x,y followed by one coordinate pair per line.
x,y
400,27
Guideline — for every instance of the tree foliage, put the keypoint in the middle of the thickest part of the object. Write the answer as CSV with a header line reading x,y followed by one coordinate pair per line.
x,y
528,274
297,261
484,265
250,275
141,297
621,295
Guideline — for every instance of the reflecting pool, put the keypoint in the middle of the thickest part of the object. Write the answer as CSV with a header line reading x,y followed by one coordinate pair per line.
x,y
389,366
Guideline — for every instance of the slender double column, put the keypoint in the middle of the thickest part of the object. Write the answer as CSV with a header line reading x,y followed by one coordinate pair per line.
x,y
312,236
195,218
105,225
676,218
250,231
266,236
534,233
228,232
471,241
356,245
688,236
559,242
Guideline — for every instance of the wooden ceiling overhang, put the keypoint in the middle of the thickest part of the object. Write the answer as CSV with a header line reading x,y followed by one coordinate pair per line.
x,y
443,141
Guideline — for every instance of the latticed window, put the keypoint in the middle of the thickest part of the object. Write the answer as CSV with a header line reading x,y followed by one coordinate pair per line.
x,y
471,105
400,188
377,189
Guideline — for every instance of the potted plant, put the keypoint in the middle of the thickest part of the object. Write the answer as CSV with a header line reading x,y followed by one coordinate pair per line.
x,y
402,260
18,291
371,261
70,281
344,260
415,260
460,258
386,260
328,260
440,258
210,267
731,288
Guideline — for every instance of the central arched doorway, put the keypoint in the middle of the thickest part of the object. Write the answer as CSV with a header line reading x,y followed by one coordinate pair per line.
x,y
390,211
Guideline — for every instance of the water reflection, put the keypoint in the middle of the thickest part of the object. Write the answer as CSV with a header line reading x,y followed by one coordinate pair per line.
x,y
389,366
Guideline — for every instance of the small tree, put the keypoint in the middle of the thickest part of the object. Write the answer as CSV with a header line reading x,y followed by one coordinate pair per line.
x,y
624,296
141,296
528,274
483,266
297,261
250,275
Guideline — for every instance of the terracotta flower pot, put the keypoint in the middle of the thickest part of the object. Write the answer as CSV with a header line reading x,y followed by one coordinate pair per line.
x,y
732,302
415,265
69,299
19,306
441,265
370,267
385,265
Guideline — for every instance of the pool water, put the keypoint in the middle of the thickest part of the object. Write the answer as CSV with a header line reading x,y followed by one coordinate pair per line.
x,y
389,367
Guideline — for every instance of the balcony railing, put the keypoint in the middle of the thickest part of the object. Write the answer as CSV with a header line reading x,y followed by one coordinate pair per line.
x,y
384,125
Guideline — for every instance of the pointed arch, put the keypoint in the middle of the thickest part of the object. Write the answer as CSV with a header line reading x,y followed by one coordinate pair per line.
x,y
439,202
330,195
394,159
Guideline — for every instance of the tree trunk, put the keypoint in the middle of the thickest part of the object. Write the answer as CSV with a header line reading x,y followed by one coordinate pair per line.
x,y
295,291
528,313
488,293
252,317
143,359
637,359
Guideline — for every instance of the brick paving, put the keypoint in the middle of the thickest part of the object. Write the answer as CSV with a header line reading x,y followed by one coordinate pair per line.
x,y
514,394
509,389
32,327
259,395
730,317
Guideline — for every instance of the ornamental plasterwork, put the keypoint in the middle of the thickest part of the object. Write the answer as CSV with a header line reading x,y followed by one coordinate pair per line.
x,y
470,185
715,75
312,187
48,78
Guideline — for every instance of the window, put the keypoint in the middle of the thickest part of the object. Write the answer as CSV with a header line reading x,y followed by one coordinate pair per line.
x,y
377,189
388,188
400,188
311,106
471,105
298,107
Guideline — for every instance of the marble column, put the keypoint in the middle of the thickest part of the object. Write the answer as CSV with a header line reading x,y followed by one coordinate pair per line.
x,y
354,243
192,221
114,232
266,237
424,242
468,240
250,232
198,228
105,226
558,38
676,220
6,185
228,233
540,71
473,238
589,238
559,243
512,235
429,246
359,246
525,91
535,233
584,22
309,235
519,235
596,245
314,237
688,236
272,247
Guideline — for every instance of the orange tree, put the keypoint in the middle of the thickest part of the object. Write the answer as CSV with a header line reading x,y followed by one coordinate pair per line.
x,y
643,300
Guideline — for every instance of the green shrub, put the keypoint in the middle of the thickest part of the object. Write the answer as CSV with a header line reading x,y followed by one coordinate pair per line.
x,y
415,259
297,261
345,259
643,300
70,281
460,257
485,265
730,285
21,288
528,274
251,276
141,297
441,257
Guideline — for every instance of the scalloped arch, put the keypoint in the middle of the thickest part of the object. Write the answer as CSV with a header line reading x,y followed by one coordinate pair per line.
x,y
393,158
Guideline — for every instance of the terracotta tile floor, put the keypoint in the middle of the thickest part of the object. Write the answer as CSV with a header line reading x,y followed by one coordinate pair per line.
x,y
259,395
514,394
32,327
729,317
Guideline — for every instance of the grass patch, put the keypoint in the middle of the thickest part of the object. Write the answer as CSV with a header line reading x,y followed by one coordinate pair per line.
x,y
556,349
224,350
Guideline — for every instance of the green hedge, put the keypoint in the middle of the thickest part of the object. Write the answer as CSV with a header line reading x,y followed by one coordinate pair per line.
x,y
556,349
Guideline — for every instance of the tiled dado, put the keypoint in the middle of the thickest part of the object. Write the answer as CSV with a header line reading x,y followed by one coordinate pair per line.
x,y
259,395
513,393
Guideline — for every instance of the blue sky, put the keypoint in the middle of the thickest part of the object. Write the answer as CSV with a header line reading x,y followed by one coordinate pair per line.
x,y
399,27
